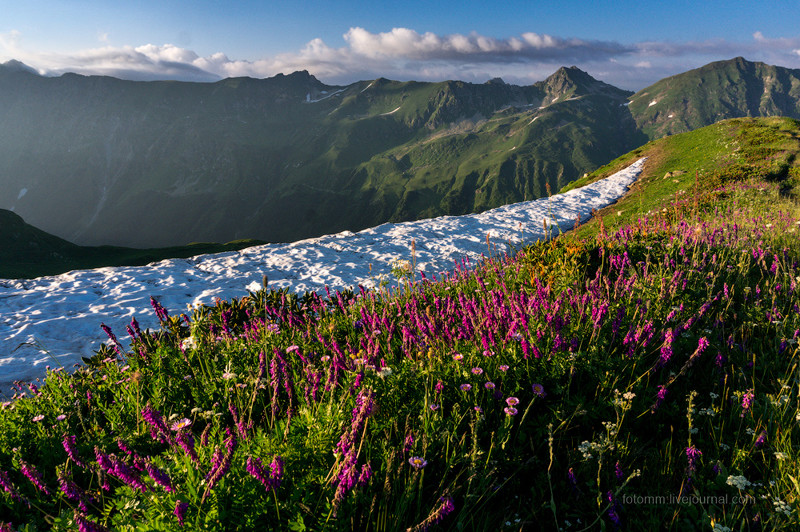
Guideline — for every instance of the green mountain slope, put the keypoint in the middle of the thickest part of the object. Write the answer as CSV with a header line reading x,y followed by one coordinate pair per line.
x,y
287,157
98,160
720,90
27,252
689,165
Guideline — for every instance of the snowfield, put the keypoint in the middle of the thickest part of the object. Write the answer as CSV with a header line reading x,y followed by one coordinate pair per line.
x,y
54,321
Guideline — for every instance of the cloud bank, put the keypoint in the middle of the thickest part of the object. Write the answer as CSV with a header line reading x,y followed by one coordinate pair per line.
x,y
405,54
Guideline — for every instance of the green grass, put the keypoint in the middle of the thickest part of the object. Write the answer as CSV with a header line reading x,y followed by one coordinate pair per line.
x,y
639,376
700,161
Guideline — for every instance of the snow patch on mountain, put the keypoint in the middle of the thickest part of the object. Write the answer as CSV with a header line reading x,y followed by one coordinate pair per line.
x,y
56,320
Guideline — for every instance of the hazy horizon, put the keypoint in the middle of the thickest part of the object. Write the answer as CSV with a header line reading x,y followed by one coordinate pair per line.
x,y
627,44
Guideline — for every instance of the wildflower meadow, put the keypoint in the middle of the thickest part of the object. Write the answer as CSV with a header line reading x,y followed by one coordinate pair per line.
x,y
639,375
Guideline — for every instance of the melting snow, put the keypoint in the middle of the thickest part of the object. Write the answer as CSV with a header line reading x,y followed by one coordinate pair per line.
x,y
651,104
55,320
22,193
327,95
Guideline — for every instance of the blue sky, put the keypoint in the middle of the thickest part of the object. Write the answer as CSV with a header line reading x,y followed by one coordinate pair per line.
x,y
629,44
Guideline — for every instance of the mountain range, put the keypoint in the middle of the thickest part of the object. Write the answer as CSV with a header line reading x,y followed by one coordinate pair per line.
x,y
99,161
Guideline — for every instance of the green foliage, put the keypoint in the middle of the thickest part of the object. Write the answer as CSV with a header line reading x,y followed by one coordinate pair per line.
x,y
645,376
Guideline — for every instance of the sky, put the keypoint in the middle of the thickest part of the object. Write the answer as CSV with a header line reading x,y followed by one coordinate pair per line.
x,y
630,44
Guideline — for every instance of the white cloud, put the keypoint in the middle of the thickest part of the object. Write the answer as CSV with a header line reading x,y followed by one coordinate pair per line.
x,y
404,53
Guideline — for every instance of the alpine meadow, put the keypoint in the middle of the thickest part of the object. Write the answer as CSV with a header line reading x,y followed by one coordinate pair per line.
x,y
639,371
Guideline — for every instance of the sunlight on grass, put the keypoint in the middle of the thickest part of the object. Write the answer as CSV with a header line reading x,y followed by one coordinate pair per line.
x,y
638,376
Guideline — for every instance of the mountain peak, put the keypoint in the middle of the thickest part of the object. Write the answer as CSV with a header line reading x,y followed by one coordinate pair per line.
x,y
568,82
723,89
13,65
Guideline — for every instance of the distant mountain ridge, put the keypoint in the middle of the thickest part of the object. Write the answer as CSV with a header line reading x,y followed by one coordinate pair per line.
x,y
98,160
720,90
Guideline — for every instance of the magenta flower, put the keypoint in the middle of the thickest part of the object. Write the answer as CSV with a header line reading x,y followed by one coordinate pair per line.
x,y
512,401
87,525
270,480
409,443
465,387
159,477
34,476
489,385
69,443
477,371
510,410
503,367
747,402
180,511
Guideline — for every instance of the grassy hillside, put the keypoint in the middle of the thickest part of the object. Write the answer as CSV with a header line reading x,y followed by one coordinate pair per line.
x,y
636,375
717,91
275,159
27,252
686,166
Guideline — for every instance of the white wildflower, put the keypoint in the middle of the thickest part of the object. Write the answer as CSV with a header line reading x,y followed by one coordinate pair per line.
x,y
189,343
739,482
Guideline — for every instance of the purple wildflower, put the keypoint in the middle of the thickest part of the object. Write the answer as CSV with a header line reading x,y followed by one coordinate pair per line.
x,y
538,390
366,474
409,442
181,424
270,480
439,387
72,491
185,440
573,482
86,525
613,511
8,487
417,462
158,430
224,463
477,371
660,396
747,402
69,443
113,337
693,455
489,385
465,387
445,508
618,472
161,313
159,476
761,440
510,410
34,476
262,365
180,511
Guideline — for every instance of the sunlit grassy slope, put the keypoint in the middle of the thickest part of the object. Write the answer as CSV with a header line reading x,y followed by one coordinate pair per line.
x,y
640,373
